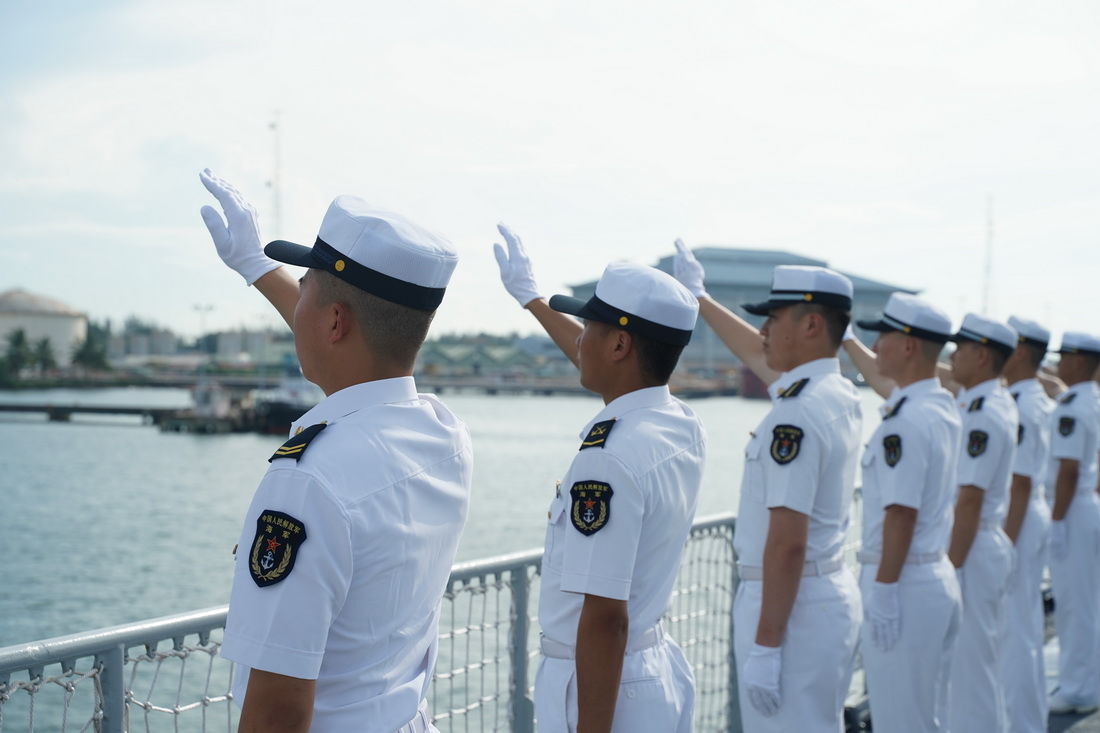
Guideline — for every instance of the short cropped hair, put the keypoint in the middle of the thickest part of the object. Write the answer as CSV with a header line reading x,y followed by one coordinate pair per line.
x,y
836,320
930,350
997,359
393,332
656,359
1035,354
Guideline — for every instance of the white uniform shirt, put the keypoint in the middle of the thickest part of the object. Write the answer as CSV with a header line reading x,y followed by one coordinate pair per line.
x,y
990,429
912,460
652,460
1033,442
1074,435
380,496
802,456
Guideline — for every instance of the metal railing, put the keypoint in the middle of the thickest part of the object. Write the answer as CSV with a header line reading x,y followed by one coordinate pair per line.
x,y
166,674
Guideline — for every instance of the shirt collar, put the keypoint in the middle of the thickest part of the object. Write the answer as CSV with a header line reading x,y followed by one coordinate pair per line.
x,y
922,387
1088,386
966,396
636,400
817,367
356,397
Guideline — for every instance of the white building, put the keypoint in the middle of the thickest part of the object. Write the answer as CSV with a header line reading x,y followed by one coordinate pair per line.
x,y
42,317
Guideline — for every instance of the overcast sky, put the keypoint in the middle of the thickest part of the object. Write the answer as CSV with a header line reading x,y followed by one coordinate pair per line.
x,y
868,134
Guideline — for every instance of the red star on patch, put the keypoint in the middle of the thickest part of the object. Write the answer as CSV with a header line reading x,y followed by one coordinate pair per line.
x,y
272,544
588,504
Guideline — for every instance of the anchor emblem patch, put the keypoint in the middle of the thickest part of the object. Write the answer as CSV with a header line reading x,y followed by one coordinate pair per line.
x,y
591,506
278,538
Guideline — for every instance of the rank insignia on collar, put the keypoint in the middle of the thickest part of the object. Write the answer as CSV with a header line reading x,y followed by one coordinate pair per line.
x,y
891,449
296,446
278,538
976,405
1066,425
597,436
894,410
591,506
786,440
794,389
979,439
1068,398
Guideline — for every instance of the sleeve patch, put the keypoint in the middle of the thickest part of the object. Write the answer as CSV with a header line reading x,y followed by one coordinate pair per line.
x,y
891,448
591,506
979,441
786,440
597,436
279,537
1066,425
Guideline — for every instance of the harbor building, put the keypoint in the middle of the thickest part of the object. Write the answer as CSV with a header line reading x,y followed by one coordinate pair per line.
x,y
41,317
735,276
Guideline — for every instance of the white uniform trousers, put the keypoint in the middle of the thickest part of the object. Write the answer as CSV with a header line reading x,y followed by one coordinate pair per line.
x,y
977,696
656,692
819,652
1022,625
1075,581
908,685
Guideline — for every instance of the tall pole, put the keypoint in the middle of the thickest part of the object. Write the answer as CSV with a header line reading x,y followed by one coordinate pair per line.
x,y
988,255
276,182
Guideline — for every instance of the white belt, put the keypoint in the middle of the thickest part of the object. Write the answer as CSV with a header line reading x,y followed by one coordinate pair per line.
x,y
556,650
913,558
812,567
420,723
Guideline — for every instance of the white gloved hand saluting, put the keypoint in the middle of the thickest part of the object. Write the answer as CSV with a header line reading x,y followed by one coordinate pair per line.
x,y
515,268
761,678
1059,539
687,270
882,610
238,243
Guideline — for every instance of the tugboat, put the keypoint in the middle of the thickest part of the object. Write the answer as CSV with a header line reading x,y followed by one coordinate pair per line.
x,y
273,410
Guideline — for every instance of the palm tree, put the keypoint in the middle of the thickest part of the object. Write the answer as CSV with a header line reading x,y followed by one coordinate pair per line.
x,y
90,355
19,351
43,356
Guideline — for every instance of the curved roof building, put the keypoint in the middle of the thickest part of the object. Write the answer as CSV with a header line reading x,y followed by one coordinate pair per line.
x,y
42,317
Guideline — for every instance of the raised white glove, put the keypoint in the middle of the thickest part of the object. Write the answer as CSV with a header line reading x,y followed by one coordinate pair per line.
x,y
882,610
238,244
849,334
761,678
687,270
515,268
1059,539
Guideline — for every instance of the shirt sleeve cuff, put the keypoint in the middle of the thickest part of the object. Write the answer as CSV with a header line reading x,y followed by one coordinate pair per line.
x,y
618,590
269,658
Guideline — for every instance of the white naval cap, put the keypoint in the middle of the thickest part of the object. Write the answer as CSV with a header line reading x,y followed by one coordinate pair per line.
x,y
793,284
1076,342
912,316
377,251
640,299
1030,332
987,332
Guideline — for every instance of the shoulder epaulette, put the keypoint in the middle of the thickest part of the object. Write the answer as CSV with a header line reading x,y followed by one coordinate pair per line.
x,y
794,389
1016,396
894,410
1068,398
597,436
296,446
976,405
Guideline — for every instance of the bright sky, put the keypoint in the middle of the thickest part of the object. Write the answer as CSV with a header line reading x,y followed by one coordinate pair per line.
x,y
868,134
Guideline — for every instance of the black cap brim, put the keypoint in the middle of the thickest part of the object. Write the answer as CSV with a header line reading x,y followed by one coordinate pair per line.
x,y
829,300
882,326
290,253
595,309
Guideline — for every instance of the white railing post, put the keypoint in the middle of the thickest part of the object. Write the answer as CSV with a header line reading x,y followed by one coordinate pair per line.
x,y
112,665
523,709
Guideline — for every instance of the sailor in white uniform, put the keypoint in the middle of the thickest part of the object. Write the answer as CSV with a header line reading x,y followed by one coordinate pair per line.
x,y
1075,526
618,523
979,548
797,611
911,597
1027,523
348,543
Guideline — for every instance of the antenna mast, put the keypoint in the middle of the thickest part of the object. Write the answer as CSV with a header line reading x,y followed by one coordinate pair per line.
x,y
988,255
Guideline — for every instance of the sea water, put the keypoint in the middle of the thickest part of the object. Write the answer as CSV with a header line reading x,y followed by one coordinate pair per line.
x,y
105,521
